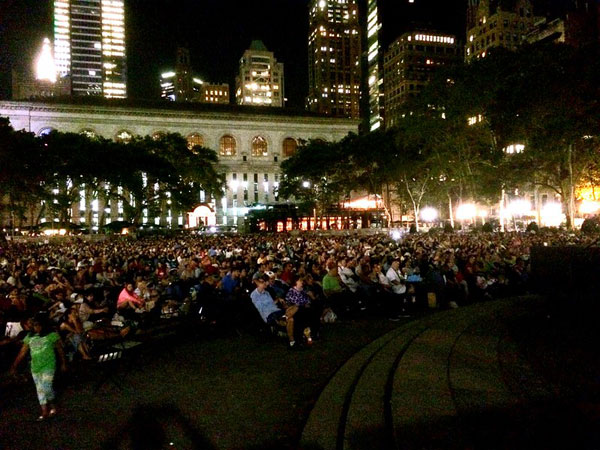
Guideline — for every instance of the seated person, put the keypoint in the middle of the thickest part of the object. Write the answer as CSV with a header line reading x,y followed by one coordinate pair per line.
x,y
88,311
308,315
128,300
269,310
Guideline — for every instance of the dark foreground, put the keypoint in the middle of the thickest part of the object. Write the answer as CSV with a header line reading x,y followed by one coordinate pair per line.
x,y
250,392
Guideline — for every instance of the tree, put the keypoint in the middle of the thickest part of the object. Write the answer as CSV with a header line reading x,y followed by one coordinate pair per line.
x,y
316,175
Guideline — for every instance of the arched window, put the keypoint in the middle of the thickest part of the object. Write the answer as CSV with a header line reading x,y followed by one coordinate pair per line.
x,y
227,146
259,146
157,135
289,147
123,136
194,140
89,133
45,131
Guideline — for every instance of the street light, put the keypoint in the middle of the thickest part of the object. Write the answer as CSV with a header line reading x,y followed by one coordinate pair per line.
x,y
466,211
429,214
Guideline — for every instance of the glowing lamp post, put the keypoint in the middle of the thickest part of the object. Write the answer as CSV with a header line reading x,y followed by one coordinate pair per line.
x,y
429,214
465,212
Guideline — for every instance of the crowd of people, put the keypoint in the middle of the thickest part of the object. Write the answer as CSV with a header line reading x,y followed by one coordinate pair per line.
x,y
68,295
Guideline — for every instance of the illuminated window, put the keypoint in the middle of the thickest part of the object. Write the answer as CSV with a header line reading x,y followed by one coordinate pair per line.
x,y
45,131
227,146
123,136
88,133
289,147
259,146
194,140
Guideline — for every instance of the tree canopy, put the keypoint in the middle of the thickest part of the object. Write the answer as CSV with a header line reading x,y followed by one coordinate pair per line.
x,y
143,174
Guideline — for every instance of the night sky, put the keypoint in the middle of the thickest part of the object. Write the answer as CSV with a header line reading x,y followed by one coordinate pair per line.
x,y
216,31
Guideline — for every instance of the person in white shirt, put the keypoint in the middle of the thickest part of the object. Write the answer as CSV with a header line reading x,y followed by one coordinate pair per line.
x,y
397,280
347,275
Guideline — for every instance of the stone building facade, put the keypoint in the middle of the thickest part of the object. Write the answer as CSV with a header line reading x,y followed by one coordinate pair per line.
x,y
251,142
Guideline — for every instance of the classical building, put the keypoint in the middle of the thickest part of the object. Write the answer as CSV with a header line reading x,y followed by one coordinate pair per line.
x,y
251,142
410,62
497,23
260,79
89,46
334,54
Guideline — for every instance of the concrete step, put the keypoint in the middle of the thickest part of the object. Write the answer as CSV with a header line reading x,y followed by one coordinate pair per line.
x,y
326,422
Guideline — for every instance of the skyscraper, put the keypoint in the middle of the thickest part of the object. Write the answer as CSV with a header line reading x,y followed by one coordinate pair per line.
x,y
260,80
374,66
89,46
334,53
410,63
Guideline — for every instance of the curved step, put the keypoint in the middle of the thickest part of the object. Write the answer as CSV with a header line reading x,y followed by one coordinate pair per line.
x,y
327,418
366,420
422,403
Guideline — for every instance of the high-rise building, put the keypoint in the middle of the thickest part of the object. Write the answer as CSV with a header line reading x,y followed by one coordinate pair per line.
x,y
89,45
374,66
260,80
334,52
181,85
178,85
497,23
409,64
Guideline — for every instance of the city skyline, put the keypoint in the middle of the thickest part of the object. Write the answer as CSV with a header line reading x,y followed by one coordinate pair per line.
x,y
215,49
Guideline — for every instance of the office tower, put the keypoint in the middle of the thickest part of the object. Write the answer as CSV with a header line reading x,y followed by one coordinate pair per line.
x,y
177,85
497,23
374,66
181,85
260,80
89,45
334,51
409,64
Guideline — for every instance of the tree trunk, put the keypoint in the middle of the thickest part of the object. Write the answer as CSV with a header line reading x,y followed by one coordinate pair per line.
x,y
450,212
571,210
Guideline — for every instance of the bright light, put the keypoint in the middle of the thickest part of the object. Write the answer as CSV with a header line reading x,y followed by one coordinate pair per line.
x,y
45,67
396,235
429,214
589,207
364,203
168,75
466,211
552,215
520,207
306,184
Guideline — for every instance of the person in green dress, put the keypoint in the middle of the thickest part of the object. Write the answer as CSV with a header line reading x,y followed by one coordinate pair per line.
x,y
43,345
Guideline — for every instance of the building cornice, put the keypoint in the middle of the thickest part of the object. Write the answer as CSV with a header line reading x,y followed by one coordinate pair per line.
x,y
125,111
